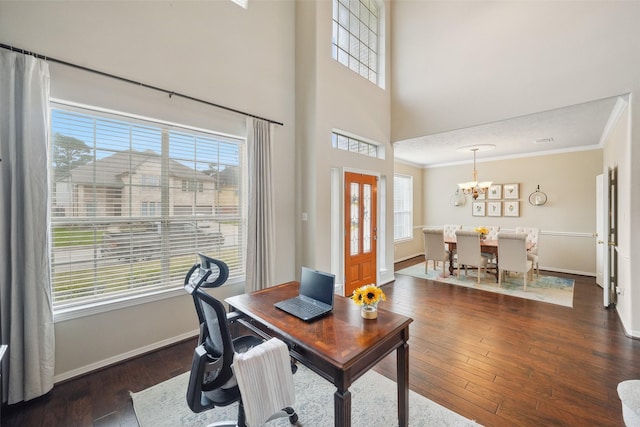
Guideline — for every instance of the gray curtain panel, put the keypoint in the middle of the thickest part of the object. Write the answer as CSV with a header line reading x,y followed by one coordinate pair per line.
x,y
260,233
26,316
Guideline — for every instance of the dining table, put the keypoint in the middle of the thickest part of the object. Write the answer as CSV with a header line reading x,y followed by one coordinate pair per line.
x,y
487,246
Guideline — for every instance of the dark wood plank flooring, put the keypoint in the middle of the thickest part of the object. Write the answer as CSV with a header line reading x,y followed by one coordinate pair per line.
x,y
499,360
507,361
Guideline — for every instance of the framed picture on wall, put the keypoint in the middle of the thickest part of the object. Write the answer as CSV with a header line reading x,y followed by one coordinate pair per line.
x,y
512,208
494,208
511,191
478,209
495,192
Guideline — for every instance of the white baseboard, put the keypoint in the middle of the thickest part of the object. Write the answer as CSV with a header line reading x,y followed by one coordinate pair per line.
x,y
627,332
542,267
409,257
122,357
561,270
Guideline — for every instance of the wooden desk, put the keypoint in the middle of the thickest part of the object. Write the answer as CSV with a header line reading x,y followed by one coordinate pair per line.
x,y
340,347
486,246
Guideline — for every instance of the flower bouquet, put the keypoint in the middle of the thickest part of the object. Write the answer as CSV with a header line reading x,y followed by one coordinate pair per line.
x,y
368,297
483,232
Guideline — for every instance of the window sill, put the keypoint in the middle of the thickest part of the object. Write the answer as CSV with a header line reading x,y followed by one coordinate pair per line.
x,y
124,302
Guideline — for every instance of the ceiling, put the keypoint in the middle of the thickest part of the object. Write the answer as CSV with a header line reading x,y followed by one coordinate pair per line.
x,y
572,128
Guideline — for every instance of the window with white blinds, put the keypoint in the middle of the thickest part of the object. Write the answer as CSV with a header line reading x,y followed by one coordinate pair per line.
x,y
133,201
355,36
402,207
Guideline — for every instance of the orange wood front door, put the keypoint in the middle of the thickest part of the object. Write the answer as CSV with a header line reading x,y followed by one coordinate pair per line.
x,y
360,219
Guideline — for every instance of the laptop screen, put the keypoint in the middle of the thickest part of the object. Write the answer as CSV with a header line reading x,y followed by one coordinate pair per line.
x,y
317,285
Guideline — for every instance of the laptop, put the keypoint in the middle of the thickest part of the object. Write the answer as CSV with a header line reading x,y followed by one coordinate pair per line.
x,y
315,298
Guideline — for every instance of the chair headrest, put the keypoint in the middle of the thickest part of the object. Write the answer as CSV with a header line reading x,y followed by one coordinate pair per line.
x,y
432,230
511,235
467,233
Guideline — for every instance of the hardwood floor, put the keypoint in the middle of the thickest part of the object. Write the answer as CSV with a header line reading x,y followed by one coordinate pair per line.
x,y
500,360
506,361
101,398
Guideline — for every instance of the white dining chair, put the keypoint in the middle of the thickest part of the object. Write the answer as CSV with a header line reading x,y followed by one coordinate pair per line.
x,y
492,235
468,251
434,249
493,231
533,237
512,253
450,231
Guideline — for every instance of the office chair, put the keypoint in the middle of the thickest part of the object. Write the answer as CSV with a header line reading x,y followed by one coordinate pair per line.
x,y
209,273
211,381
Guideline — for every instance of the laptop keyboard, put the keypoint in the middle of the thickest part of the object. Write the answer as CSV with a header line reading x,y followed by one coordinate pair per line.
x,y
307,307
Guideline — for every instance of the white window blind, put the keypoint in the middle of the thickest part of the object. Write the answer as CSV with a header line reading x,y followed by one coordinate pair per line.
x,y
133,201
402,207
355,36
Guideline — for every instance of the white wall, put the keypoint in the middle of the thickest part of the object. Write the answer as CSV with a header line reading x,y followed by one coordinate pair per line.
x,y
216,51
463,63
330,96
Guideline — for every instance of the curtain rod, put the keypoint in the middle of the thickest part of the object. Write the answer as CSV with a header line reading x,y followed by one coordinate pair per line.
x,y
102,73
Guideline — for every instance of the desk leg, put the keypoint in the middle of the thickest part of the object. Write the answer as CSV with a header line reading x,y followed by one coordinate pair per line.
x,y
342,408
402,360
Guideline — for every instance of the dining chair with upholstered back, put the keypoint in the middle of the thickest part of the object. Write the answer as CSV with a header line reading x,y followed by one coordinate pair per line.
x,y
450,231
512,253
434,249
492,235
533,237
493,231
469,254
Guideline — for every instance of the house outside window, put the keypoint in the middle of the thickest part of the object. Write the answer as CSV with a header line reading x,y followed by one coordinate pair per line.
x,y
150,209
402,207
123,225
190,185
151,180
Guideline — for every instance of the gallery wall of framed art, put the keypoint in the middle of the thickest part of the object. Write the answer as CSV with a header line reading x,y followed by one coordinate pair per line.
x,y
498,200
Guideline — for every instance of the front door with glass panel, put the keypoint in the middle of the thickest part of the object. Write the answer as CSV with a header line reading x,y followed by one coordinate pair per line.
x,y
360,231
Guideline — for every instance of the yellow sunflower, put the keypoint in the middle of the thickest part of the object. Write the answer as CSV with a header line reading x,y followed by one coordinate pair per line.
x,y
368,295
482,230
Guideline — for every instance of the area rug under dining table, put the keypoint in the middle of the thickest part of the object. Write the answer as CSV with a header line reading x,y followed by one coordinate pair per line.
x,y
549,289
374,404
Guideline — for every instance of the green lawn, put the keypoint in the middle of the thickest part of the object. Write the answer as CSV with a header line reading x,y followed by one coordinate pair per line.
x,y
75,236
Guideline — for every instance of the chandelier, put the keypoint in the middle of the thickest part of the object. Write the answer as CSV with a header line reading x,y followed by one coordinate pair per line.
x,y
474,188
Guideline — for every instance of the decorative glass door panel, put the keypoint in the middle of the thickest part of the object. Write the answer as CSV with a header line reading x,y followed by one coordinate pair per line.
x,y
355,219
366,219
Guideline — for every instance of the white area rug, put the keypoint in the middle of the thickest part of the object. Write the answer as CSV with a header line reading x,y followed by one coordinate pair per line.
x,y
373,404
550,289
